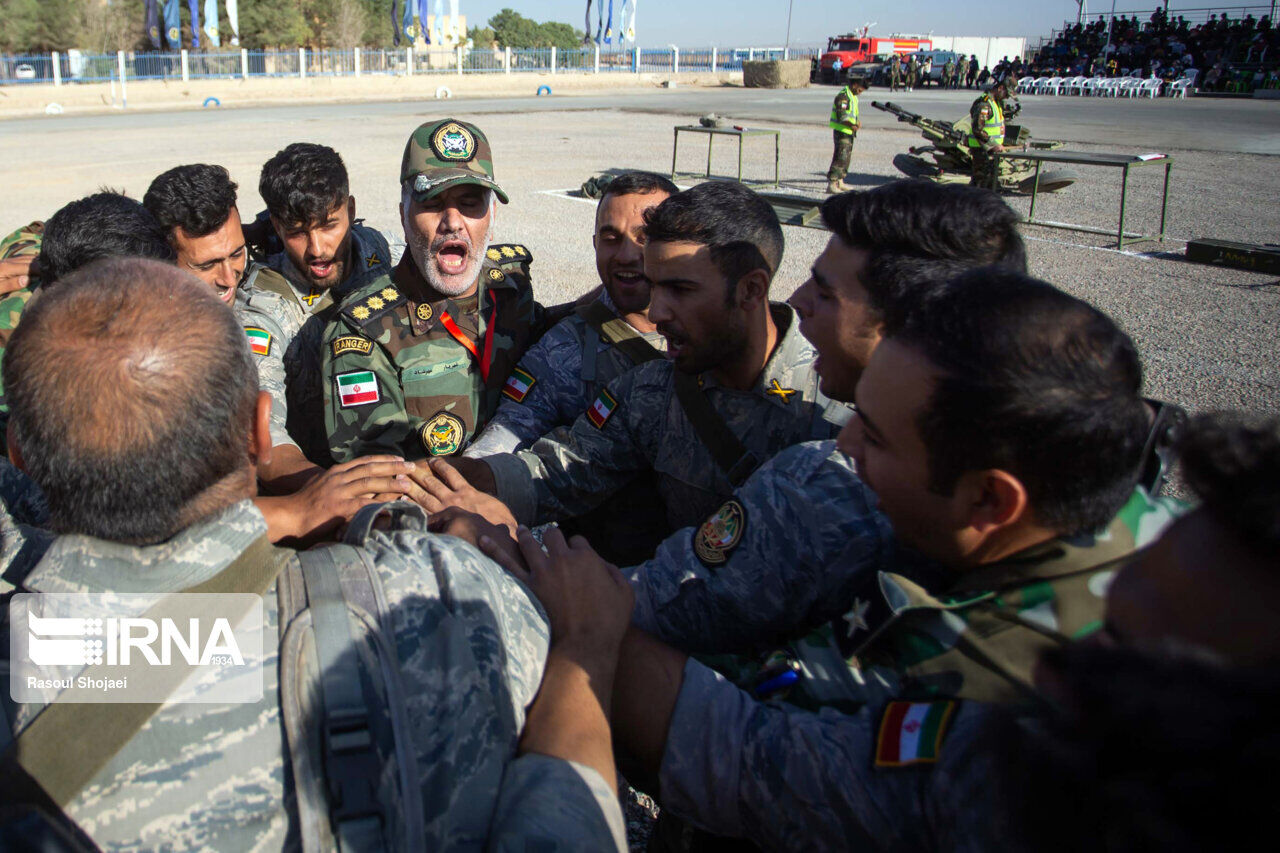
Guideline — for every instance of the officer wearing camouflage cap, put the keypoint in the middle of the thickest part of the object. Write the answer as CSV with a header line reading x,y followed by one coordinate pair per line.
x,y
415,363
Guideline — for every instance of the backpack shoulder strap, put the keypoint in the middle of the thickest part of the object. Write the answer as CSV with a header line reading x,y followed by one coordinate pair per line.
x,y
616,333
68,743
734,459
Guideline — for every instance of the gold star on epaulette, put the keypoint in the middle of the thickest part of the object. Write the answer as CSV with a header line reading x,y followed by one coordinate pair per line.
x,y
375,302
390,294
373,261
508,252
496,275
521,251
494,255
360,312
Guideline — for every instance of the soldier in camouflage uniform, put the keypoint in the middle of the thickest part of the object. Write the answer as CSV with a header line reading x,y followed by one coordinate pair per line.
x,y
986,135
415,363
560,376
913,72
22,245
969,625
738,385
844,125
470,642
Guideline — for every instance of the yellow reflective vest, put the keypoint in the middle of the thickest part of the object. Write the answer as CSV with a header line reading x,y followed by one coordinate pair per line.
x,y
994,125
841,116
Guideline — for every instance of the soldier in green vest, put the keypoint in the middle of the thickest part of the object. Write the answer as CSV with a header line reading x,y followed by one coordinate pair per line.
x,y
560,376
986,134
844,126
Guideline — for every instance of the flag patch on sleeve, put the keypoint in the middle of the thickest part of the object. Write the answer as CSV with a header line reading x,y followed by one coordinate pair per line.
x,y
602,409
519,383
912,732
259,340
357,389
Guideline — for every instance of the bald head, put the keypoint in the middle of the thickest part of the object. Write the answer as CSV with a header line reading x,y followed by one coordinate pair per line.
x,y
132,394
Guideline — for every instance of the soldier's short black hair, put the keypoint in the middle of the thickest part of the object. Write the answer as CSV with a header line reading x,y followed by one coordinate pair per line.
x,y
1232,461
103,225
919,235
1034,382
124,415
303,182
737,225
638,183
198,197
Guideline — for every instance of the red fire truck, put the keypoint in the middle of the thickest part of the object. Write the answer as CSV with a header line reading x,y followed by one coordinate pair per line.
x,y
865,51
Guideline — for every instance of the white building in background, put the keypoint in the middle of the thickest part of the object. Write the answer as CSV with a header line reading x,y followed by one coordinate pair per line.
x,y
989,50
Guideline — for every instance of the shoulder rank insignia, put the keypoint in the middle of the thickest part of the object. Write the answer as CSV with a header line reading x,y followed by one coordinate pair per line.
x,y
375,305
496,275
425,312
720,533
351,343
912,733
442,435
357,388
259,340
509,253
602,409
518,385
373,260
312,295
777,390
494,254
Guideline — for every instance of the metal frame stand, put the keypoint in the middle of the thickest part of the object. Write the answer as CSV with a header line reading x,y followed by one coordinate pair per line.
x,y
712,132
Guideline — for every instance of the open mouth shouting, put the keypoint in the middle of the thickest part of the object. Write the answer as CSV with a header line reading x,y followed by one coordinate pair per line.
x,y
452,256
226,294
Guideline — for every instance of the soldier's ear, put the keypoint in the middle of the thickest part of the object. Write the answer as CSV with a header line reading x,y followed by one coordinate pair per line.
x,y
351,208
753,289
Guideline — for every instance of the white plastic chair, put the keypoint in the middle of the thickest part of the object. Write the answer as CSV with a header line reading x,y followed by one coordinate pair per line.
x,y
1037,88
1129,87
1072,86
1090,87
1025,85
1149,88
1178,88
1053,86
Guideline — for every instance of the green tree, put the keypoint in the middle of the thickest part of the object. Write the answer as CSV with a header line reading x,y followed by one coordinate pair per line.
x,y
512,29
20,22
271,23
556,34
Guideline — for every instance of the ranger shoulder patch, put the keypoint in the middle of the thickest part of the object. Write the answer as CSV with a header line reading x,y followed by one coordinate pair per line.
x,y
351,343
259,340
720,533
912,733
374,305
518,385
602,409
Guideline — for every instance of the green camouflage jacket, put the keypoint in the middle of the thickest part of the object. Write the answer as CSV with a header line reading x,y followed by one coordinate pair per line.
x,y
418,376
21,243
979,635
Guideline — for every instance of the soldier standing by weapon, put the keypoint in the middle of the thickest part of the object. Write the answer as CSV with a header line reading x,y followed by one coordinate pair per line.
x,y
986,134
844,129
895,74
913,70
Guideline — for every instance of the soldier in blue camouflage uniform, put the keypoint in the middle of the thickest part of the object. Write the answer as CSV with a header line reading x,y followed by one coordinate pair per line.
x,y
415,363
737,387
560,376
470,642
1015,565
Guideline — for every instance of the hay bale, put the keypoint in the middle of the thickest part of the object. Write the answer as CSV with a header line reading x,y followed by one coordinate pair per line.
x,y
788,74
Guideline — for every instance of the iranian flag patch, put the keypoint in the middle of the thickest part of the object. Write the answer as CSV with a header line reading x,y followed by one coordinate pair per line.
x,y
912,732
602,409
357,389
518,385
259,340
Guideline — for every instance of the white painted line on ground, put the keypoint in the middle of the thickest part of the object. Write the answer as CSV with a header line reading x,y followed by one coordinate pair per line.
x,y
1145,256
565,194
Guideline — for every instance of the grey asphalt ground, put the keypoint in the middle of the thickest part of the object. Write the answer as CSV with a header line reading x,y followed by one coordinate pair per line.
x,y
1208,336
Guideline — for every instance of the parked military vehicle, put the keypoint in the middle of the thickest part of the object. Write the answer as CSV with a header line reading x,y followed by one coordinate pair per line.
x,y
946,158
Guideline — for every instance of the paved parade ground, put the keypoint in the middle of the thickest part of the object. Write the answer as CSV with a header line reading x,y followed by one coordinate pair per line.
x,y
1208,336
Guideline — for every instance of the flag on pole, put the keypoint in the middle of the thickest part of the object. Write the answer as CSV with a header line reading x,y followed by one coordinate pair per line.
x,y
608,29
211,22
407,25
395,23
599,21
437,31
588,29
454,17
172,24
195,23
630,31
233,20
153,23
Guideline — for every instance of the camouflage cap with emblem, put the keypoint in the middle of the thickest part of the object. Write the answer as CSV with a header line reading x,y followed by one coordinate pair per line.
x,y
446,153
